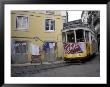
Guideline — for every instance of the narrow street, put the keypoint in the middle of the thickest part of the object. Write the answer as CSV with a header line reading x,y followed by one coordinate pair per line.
x,y
40,52
90,68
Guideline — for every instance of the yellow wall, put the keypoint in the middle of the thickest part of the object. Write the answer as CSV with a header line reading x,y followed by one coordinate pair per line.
x,y
37,27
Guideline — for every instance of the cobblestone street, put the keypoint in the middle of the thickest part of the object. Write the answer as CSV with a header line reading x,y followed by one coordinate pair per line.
x,y
90,68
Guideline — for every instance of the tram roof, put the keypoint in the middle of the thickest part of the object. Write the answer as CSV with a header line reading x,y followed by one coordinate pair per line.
x,y
75,25
78,28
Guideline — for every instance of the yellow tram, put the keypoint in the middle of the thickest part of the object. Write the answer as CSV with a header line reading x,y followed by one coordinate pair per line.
x,y
79,42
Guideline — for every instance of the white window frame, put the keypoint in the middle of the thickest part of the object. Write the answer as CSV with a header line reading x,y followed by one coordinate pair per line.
x,y
49,26
22,29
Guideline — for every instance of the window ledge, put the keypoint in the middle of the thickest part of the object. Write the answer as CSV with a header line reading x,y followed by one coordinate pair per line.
x,y
49,31
21,30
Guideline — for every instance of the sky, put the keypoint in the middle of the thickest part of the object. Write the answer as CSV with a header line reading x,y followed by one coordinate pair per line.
x,y
74,15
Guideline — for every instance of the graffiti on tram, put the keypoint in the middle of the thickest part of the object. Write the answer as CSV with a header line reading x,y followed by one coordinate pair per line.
x,y
72,48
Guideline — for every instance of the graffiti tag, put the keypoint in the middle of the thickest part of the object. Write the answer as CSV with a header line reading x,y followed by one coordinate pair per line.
x,y
71,48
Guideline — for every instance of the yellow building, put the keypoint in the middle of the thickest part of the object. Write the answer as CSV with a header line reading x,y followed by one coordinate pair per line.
x,y
36,35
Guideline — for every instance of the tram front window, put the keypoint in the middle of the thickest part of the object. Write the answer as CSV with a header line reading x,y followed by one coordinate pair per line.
x,y
70,37
80,35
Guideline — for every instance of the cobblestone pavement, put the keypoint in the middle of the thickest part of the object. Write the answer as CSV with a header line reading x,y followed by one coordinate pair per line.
x,y
90,68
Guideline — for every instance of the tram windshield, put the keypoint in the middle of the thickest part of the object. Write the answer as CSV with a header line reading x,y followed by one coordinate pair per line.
x,y
80,35
70,36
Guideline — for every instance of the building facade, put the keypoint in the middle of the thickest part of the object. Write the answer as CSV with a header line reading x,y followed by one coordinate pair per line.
x,y
36,36
92,19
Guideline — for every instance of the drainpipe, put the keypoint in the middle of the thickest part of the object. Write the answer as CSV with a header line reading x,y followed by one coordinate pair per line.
x,y
57,44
